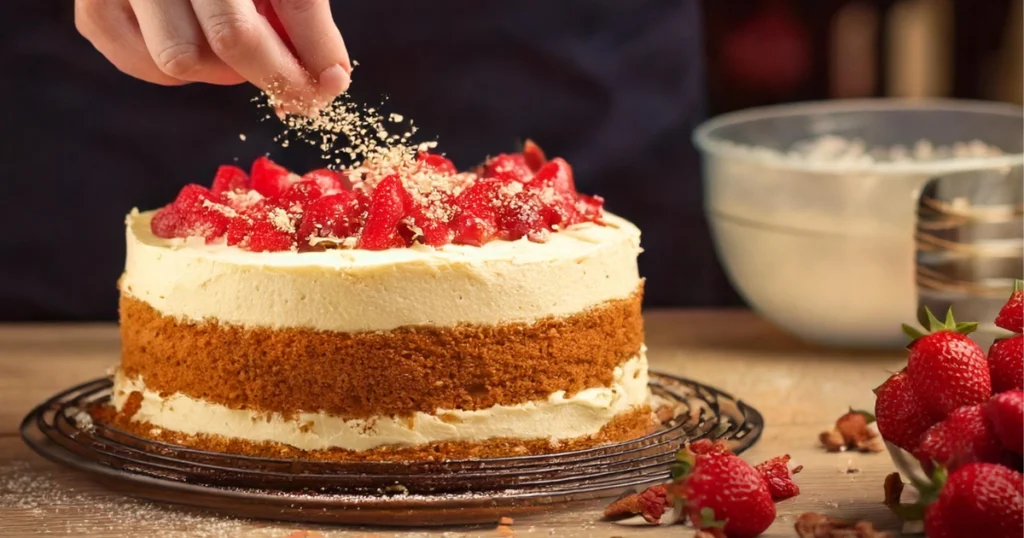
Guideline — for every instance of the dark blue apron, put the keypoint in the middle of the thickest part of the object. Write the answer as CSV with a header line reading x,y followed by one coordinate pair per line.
x,y
613,86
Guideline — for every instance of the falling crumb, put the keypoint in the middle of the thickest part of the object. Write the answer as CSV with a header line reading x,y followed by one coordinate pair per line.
x,y
241,136
396,118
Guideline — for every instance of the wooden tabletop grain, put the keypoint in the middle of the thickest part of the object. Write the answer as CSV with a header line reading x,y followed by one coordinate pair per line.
x,y
800,389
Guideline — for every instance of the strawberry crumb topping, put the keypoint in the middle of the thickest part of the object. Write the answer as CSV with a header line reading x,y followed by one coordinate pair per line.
x,y
422,201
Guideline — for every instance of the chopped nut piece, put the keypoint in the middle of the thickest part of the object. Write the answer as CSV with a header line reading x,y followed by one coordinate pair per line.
x,y
811,525
832,440
505,530
505,520
871,444
853,426
713,532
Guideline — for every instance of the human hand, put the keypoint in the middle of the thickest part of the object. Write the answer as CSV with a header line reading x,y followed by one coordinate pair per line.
x,y
174,42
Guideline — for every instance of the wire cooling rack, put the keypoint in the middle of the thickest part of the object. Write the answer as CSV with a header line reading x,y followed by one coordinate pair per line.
x,y
380,493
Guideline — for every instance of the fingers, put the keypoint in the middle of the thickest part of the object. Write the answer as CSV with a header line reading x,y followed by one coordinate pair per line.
x,y
245,41
111,27
176,43
317,42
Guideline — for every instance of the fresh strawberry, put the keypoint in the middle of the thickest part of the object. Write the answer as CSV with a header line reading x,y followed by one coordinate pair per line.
x,y
508,166
228,179
267,235
557,174
779,478
714,485
300,194
269,178
436,162
1006,363
533,156
947,370
387,208
476,222
978,500
196,212
336,215
901,418
1006,413
520,216
1011,316
329,181
166,222
964,437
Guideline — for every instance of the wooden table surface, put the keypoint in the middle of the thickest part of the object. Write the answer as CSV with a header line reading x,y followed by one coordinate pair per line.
x,y
800,390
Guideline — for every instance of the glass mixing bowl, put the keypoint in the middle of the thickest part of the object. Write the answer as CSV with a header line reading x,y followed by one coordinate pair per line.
x,y
840,246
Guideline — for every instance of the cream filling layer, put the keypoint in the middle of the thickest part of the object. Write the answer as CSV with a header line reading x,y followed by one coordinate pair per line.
x,y
558,417
360,290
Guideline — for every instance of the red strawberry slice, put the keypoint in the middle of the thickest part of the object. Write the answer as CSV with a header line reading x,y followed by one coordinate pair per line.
x,y
476,222
557,174
901,418
978,499
779,478
238,231
1006,413
166,222
436,162
269,178
300,194
720,486
521,216
266,236
533,156
196,212
329,181
1011,316
229,179
965,436
508,167
336,215
386,210
590,208
1006,364
947,370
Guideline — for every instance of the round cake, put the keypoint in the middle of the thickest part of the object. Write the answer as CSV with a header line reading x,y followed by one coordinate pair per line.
x,y
452,331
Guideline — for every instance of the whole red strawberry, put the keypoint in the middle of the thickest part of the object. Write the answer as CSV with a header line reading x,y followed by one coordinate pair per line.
x,y
947,370
1006,364
965,436
1011,317
716,486
900,416
978,500
779,478
1006,413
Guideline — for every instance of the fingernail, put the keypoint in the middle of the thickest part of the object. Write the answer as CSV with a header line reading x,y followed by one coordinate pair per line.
x,y
333,81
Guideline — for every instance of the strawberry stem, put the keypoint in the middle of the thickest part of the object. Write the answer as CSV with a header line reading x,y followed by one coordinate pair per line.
x,y
868,415
933,325
1018,285
707,519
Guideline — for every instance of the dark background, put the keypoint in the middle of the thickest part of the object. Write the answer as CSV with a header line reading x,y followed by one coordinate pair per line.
x,y
614,86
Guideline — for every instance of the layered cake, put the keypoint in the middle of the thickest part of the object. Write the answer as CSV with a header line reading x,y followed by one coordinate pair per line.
x,y
398,310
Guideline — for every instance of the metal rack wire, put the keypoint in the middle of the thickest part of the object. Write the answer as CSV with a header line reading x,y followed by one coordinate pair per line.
x,y
394,493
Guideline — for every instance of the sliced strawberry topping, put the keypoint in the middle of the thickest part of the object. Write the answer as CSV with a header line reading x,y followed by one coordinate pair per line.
x,y
522,216
337,216
508,166
437,162
300,194
269,178
329,181
387,208
476,222
533,155
166,222
230,178
238,230
557,174
267,236
196,212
